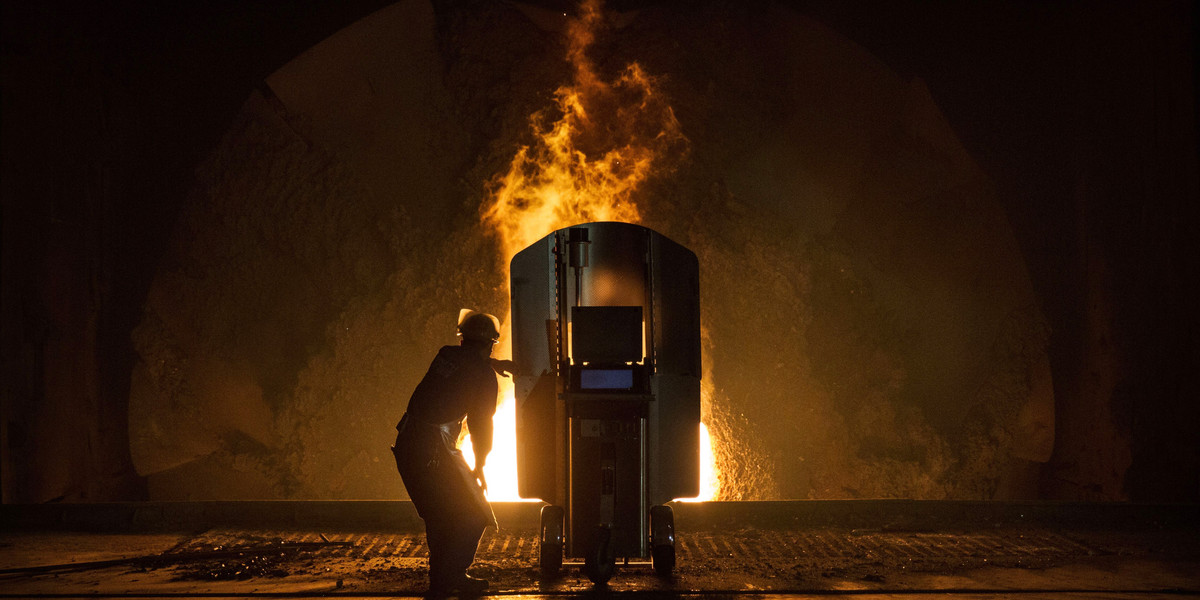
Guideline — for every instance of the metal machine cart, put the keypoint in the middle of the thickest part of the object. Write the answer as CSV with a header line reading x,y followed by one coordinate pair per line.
x,y
606,339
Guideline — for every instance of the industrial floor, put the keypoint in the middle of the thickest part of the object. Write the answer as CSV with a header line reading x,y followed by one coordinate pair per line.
x,y
719,557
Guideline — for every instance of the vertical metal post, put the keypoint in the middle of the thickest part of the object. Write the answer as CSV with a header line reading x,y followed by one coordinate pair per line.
x,y
562,434
578,242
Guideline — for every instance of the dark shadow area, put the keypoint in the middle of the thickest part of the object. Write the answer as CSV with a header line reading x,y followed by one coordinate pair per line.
x,y
1077,120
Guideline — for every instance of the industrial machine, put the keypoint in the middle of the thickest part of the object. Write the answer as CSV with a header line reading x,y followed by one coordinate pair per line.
x,y
606,339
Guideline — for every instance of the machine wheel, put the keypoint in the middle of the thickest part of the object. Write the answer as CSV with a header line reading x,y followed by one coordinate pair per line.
x,y
599,564
550,545
664,560
662,539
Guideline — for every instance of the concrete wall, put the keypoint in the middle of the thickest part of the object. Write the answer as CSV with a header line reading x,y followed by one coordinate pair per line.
x,y
930,237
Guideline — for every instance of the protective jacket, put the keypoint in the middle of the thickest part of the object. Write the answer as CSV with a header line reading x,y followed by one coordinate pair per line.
x,y
460,385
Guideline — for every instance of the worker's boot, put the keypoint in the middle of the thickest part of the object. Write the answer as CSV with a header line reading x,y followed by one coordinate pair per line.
x,y
466,586
472,586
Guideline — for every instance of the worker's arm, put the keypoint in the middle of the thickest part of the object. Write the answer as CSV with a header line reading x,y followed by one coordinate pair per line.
x,y
479,422
504,368
481,438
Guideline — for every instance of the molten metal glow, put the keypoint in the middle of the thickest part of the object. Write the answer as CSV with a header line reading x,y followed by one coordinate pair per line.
x,y
710,480
588,156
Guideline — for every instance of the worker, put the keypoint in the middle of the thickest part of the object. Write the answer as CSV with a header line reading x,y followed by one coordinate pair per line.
x,y
448,495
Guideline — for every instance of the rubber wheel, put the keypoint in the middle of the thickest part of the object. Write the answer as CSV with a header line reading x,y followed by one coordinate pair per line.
x,y
599,564
662,540
550,544
664,560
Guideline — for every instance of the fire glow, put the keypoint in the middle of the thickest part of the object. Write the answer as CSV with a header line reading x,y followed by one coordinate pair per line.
x,y
589,155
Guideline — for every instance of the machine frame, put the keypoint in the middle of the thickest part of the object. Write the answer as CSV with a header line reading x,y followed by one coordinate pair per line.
x,y
606,338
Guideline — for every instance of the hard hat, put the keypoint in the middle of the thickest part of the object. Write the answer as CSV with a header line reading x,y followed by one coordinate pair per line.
x,y
478,326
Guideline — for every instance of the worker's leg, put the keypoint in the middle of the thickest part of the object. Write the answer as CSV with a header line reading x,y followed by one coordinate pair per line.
x,y
439,536
452,546
466,542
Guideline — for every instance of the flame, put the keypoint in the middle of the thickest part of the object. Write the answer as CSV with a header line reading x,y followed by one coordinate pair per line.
x,y
591,151
710,475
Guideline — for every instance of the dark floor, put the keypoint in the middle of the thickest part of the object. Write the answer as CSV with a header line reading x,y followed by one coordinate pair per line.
x,y
718,556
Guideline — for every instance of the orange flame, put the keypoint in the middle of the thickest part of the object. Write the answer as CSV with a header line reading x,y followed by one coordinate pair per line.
x,y
587,163
591,152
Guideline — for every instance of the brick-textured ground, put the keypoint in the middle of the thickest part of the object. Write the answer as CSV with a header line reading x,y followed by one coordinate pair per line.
x,y
796,560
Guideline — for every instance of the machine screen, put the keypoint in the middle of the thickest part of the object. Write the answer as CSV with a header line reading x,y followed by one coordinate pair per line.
x,y
606,379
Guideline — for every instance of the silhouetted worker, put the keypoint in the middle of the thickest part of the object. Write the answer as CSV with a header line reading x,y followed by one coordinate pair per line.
x,y
449,496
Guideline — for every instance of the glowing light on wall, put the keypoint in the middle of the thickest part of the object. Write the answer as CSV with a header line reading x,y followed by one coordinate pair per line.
x,y
710,476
